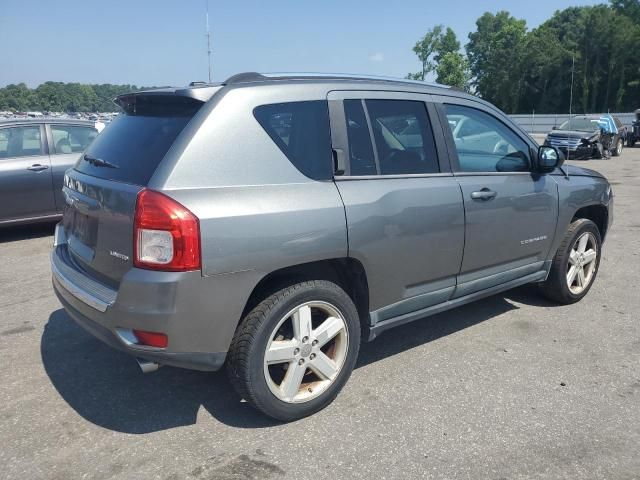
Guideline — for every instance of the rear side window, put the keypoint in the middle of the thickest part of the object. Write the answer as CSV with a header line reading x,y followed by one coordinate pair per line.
x,y
20,142
361,158
71,138
135,143
301,131
403,136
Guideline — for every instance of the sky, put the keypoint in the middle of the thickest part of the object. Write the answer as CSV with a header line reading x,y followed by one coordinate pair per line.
x,y
163,42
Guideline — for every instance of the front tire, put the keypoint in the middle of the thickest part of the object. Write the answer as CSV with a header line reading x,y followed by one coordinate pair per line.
x,y
618,150
292,354
575,264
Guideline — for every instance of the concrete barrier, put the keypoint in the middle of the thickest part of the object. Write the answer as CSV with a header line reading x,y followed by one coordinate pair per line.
x,y
545,123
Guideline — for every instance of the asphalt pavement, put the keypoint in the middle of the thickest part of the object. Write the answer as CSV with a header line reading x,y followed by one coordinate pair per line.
x,y
511,387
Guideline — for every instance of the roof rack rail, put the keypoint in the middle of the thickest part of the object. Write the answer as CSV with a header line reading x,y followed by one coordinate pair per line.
x,y
247,77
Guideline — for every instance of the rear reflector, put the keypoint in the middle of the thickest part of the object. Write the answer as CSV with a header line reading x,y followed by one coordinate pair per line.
x,y
151,339
166,234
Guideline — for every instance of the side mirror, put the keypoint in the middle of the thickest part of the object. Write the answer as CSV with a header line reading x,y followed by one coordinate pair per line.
x,y
554,128
549,158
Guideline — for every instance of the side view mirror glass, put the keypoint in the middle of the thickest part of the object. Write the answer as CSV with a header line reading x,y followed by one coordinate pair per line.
x,y
549,158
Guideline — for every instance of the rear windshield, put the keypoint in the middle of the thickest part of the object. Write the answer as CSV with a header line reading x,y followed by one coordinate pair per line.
x,y
132,146
580,124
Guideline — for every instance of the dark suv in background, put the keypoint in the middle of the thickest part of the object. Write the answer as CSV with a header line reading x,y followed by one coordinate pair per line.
x,y
580,138
272,222
34,154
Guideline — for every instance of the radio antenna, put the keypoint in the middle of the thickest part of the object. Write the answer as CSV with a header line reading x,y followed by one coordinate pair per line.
x,y
208,42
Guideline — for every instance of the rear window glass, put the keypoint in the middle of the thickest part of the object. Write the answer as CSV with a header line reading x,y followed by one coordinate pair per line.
x,y
135,143
71,139
301,131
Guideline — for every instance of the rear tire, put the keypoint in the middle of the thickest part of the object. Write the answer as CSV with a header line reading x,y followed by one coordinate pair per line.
x,y
292,354
575,264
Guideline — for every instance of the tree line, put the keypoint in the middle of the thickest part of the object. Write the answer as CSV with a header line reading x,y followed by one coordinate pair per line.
x,y
62,97
522,70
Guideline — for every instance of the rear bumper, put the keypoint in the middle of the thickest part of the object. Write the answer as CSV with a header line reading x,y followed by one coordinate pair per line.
x,y
198,314
190,360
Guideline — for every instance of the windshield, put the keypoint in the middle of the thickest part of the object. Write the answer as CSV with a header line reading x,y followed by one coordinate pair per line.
x,y
580,124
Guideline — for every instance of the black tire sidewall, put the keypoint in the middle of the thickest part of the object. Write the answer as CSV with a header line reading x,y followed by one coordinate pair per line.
x,y
265,399
585,226
619,147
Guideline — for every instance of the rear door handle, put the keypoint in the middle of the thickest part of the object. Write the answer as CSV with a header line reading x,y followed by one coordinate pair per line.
x,y
484,194
36,167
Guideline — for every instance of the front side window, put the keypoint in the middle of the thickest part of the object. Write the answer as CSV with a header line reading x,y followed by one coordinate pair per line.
x,y
20,142
72,139
484,143
403,137
301,131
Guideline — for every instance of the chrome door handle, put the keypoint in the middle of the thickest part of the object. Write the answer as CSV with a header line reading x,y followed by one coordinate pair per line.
x,y
36,167
484,194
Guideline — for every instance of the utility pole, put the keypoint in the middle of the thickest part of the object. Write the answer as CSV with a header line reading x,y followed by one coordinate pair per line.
x,y
573,67
208,42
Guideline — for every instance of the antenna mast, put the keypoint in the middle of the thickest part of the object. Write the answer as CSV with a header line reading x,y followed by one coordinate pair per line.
x,y
208,42
573,67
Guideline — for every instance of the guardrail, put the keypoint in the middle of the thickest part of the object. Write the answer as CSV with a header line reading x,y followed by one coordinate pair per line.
x,y
544,123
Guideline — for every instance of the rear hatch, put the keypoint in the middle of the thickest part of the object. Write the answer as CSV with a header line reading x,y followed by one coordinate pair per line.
x,y
101,190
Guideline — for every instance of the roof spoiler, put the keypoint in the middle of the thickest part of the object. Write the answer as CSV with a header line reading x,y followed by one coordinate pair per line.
x,y
198,92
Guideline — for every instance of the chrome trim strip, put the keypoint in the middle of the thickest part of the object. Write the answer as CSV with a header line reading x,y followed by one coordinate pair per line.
x,y
81,295
401,175
483,174
42,218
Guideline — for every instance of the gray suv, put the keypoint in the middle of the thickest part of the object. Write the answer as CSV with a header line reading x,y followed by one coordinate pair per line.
x,y
271,223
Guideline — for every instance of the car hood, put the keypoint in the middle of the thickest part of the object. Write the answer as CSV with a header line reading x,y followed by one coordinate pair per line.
x,y
572,134
575,171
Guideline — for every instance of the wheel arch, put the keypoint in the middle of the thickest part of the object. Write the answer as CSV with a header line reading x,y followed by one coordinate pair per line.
x,y
597,213
347,272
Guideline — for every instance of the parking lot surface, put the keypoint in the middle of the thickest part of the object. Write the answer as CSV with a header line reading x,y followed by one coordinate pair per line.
x,y
509,387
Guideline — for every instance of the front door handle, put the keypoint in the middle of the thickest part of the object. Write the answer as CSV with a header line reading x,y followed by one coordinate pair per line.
x,y
484,194
37,167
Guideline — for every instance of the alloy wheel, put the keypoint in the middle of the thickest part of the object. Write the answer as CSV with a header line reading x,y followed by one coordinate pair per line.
x,y
581,267
306,352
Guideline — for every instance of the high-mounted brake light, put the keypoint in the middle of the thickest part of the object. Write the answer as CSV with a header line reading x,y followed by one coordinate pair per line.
x,y
166,234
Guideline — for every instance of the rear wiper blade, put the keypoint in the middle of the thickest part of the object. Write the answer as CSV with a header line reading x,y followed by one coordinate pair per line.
x,y
98,162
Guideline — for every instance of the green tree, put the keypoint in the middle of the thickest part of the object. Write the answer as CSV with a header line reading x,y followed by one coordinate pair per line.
x,y
18,97
426,48
453,70
447,43
65,97
496,52
629,8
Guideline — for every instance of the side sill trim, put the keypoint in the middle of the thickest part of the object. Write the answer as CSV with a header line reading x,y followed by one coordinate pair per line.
x,y
380,327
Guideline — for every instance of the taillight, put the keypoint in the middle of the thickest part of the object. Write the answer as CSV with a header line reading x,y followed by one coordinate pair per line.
x,y
166,234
